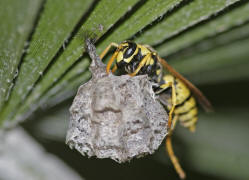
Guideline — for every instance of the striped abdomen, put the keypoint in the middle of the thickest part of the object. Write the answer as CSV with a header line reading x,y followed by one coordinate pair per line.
x,y
185,110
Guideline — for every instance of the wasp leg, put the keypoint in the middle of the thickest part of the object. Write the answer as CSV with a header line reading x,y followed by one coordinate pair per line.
x,y
170,150
174,121
114,68
108,67
109,64
173,158
173,96
141,64
171,126
107,49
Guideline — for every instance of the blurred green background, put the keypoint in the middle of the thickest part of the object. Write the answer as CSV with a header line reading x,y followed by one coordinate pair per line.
x,y
43,62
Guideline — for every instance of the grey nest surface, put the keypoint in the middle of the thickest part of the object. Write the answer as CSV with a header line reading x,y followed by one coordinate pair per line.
x,y
115,117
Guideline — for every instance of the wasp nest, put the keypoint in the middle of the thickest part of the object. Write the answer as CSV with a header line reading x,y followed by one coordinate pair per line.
x,y
115,117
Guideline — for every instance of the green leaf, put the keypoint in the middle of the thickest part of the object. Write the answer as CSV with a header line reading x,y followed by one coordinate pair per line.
x,y
55,25
218,64
222,39
146,14
185,17
235,17
17,19
65,90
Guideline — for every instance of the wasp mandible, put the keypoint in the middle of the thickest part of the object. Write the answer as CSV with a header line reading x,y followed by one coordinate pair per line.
x,y
136,59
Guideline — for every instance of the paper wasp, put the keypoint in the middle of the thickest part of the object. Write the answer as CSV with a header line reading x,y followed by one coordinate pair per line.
x,y
136,59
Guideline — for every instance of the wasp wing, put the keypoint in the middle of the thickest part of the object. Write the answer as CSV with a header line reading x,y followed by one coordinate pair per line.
x,y
203,101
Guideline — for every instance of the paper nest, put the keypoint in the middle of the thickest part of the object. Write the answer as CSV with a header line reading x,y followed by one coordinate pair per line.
x,y
115,117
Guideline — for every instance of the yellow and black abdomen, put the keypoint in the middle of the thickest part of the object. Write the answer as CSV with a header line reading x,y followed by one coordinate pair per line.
x,y
186,108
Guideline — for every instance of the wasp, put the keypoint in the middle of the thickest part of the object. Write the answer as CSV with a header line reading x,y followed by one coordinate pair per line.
x,y
176,93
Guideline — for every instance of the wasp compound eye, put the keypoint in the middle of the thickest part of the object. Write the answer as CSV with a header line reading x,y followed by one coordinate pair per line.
x,y
116,117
